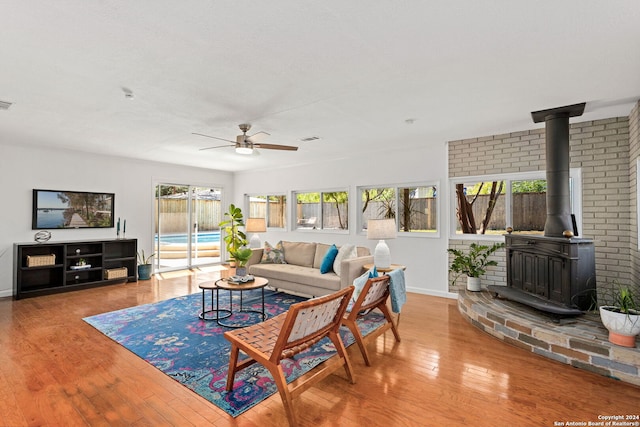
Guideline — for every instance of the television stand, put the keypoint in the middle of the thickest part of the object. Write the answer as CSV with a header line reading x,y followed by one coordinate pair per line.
x,y
52,267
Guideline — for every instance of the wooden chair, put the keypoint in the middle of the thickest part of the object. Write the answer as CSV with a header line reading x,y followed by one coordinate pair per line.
x,y
288,334
374,295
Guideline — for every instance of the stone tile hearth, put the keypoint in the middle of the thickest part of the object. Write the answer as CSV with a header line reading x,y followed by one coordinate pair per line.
x,y
577,341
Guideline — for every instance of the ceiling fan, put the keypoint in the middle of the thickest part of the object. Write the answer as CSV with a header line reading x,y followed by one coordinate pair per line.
x,y
247,144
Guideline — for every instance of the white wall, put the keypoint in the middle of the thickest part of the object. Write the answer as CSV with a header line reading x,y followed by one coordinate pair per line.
x,y
425,258
24,168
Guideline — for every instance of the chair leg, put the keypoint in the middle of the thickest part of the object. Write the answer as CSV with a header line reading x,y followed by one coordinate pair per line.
x,y
233,366
353,327
285,395
342,352
387,315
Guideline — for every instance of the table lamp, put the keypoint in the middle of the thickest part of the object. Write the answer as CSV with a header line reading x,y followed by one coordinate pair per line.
x,y
255,225
381,229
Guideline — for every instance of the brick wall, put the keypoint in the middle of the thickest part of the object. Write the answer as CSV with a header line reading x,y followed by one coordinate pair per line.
x,y
605,150
634,154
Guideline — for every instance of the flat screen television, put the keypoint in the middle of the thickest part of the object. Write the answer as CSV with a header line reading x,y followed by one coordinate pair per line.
x,y
72,209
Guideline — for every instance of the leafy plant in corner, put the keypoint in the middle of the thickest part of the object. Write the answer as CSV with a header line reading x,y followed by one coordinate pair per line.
x,y
473,263
142,259
234,238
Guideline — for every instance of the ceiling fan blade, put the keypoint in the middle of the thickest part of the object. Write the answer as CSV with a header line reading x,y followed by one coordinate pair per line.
x,y
257,137
214,137
217,146
277,147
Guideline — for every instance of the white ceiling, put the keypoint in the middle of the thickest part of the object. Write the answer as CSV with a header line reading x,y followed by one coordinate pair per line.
x,y
351,72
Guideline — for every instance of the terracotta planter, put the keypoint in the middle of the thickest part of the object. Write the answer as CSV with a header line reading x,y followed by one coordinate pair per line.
x,y
622,327
473,284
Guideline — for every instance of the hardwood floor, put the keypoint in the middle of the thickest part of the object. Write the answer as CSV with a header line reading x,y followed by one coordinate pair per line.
x,y
56,370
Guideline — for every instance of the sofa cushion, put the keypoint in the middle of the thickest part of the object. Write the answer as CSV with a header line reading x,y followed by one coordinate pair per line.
x,y
327,261
272,255
296,274
321,251
299,253
345,252
362,251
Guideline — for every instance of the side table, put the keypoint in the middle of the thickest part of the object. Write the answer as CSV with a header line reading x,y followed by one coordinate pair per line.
x,y
211,286
385,270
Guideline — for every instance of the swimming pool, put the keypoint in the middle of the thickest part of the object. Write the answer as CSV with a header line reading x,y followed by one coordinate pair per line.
x,y
206,237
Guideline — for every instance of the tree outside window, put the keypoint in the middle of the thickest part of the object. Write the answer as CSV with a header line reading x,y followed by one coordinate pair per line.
x,y
490,206
322,210
378,203
418,209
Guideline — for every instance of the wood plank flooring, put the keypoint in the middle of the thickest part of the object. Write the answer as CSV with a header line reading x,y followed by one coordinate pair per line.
x,y
56,370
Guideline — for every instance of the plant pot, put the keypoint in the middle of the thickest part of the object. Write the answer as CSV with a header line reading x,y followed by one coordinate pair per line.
x,y
473,284
622,327
241,271
144,271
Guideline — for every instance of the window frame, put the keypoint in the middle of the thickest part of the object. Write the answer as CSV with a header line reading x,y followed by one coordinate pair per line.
x,y
247,203
396,188
575,175
320,224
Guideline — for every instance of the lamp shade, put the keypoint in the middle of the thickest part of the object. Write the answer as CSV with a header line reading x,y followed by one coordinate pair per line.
x,y
381,229
256,225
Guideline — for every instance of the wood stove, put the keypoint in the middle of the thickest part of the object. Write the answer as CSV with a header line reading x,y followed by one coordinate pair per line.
x,y
555,272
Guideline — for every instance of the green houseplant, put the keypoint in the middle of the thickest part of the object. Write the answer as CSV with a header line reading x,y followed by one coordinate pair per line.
x,y
235,239
472,263
622,316
144,265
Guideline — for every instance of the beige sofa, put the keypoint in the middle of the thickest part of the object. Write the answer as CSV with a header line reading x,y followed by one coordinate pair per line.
x,y
301,273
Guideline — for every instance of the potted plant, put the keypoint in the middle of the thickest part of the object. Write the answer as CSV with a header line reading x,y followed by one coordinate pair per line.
x,y
622,317
241,256
473,263
144,266
234,238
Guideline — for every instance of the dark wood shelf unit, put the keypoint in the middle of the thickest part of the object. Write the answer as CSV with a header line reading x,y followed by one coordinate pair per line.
x,y
101,255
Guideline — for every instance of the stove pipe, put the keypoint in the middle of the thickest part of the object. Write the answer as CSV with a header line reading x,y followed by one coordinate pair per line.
x,y
557,151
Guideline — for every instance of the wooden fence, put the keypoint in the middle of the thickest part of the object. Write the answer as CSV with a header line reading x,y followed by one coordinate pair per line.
x,y
529,211
174,215
423,213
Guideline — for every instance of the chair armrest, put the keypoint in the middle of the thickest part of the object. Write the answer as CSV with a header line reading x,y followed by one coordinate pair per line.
x,y
352,268
256,256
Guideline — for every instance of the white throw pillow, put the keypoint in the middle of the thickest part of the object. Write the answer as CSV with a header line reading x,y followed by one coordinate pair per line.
x,y
359,283
345,252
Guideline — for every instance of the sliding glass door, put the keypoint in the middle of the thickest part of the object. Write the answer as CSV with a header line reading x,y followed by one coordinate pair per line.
x,y
187,232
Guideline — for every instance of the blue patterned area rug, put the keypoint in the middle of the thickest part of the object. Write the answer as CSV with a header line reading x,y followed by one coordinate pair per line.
x,y
170,336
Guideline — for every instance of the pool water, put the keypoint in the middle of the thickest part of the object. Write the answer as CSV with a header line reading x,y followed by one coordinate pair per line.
x,y
208,237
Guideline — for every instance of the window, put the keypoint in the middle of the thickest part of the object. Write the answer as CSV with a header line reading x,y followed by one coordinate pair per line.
x,y
414,207
480,207
272,208
322,210
488,205
418,209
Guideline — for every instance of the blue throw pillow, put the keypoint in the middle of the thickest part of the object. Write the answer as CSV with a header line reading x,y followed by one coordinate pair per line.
x,y
327,262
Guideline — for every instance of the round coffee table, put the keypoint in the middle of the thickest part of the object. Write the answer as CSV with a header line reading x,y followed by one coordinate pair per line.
x,y
226,284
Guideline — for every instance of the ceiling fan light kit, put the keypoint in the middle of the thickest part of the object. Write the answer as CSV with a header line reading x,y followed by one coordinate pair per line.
x,y
244,150
246,144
